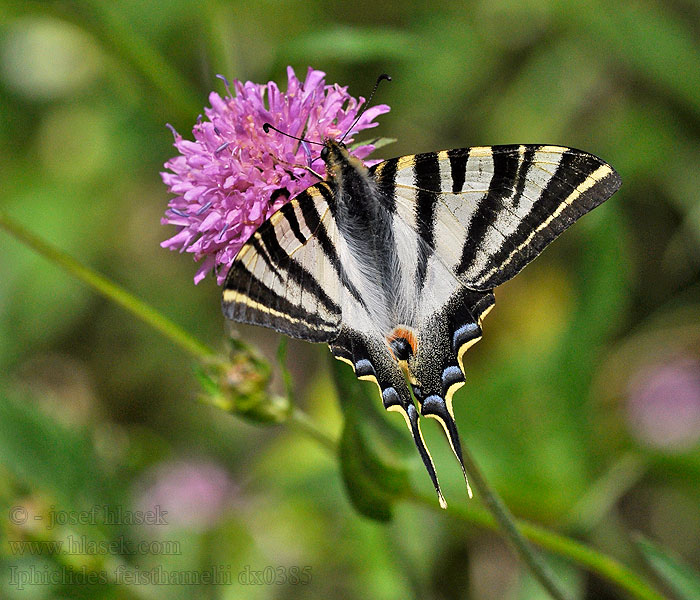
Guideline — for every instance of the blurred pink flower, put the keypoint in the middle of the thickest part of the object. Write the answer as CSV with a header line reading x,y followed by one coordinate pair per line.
x,y
193,494
663,403
234,175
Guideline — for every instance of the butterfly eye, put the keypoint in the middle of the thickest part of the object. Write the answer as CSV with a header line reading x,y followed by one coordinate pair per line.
x,y
324,153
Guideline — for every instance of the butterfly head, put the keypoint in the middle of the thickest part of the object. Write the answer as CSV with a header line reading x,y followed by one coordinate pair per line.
x,y
338,158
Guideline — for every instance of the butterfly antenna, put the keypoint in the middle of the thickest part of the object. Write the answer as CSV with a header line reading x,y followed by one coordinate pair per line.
x,y
423,451
267,127
381,78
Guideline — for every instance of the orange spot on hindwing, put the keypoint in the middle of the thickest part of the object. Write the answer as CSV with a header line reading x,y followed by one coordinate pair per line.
x,y
402,343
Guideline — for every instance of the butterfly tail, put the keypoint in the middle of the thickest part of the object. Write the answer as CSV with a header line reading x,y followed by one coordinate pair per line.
x,y
414,426
373,362
435,407
393,402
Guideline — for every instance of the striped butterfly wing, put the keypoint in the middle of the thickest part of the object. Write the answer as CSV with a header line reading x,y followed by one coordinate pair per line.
x,y
462,222
478,216
486,212
288,275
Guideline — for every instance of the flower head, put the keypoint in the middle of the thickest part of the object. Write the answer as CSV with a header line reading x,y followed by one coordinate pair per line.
x,y
234,175
195,493
663,403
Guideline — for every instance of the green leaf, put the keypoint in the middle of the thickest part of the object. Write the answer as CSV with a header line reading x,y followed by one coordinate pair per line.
x,y
677,575
366,497
48,455
374,478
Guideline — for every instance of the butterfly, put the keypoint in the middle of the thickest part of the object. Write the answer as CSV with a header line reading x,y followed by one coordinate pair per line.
x,y
394,266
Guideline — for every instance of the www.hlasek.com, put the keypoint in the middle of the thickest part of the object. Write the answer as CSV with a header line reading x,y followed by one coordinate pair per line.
x,y
82,545
123,575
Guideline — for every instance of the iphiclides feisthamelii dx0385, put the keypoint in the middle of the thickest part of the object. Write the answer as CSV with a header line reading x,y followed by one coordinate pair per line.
x,y
394,266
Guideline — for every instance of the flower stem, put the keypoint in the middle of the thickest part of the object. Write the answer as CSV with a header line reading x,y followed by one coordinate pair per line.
x,y
108,289
596,562
504,518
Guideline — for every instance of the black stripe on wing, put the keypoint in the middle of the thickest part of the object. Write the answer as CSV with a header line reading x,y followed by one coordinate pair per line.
x,y
288,211
523,169
386,183
296,272
427,182
508,201
580,183
258,304
278,280
458,168
313,221
262,252
506,168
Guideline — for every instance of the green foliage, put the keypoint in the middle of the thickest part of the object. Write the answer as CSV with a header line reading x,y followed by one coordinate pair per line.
x,y
371,471
674,572
49,456
240,385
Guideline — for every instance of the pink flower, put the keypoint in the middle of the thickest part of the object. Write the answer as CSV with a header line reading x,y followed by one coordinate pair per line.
x,y
191,493
663,404
234,175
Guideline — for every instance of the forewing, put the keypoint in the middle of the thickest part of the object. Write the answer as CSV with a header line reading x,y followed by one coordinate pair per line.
x,y
486,212
287,276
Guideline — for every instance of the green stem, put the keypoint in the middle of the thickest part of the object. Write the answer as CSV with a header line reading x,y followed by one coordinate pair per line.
x,y
503,516
303,423
108,289
606,567
596,562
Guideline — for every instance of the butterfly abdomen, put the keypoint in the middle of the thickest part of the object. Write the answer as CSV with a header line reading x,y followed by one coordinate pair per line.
x,y
367,231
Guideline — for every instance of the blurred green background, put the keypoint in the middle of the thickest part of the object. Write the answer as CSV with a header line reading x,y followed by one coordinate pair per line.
x,y
583,400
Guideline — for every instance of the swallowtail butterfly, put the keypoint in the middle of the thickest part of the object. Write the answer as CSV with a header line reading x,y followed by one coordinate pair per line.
x,y
394,266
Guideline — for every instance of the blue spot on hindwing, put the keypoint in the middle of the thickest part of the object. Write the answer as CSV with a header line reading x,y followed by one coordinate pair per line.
x,y
466,332
364,367
450,376
390,397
